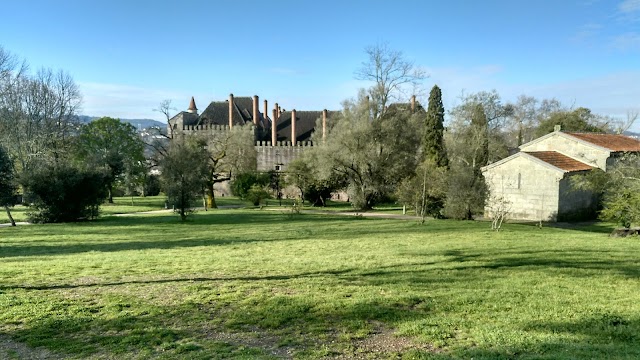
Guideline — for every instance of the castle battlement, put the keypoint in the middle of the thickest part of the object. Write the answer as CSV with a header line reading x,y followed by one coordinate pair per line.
x,y
283,144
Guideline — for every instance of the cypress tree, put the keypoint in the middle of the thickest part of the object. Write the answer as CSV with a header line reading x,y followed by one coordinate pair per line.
x,y
480,136
433,143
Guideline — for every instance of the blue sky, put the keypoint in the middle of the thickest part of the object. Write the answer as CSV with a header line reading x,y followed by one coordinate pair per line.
x,y
127,56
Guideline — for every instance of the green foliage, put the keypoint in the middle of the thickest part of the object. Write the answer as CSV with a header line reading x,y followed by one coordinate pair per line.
x,y
426,190
479,135
111,144
8,184
243,182
466,194
151,185
256,194
184,174
433,142
578,120
371,155
61,192
313,187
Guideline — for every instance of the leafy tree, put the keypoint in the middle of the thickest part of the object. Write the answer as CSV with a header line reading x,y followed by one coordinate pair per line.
x,y
62,192
313,187
426,190
578,120
433,142
479,134
371,155
469,142
8,186
466,193
229,153
151,185
618,189
184,173
110,144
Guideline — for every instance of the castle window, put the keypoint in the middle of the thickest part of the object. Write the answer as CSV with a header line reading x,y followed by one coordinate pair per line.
x,y
278,168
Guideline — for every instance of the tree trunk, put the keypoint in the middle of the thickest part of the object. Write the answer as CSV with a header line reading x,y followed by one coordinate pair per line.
x,y
13,222
110,195
212,196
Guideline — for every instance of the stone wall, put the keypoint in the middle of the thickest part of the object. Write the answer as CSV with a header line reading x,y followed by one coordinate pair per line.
x,y
530,188
573,148
279,155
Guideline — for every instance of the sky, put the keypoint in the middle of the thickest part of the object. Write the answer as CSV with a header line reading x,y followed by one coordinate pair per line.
x,y
128,56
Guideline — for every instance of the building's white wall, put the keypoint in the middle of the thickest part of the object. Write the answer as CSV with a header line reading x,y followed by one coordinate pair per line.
x,y
587,154
531,189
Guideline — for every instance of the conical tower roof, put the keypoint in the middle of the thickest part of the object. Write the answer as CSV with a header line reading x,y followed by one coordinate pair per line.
x,y
192,105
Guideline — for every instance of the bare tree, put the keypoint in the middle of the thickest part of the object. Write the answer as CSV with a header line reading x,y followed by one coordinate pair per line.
x,y
391,73
166,109
38,115
624,125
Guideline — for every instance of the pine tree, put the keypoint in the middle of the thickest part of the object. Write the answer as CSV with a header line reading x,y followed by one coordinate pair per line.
x,y
433,144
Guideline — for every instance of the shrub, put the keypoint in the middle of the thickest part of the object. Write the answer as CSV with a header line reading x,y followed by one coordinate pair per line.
x,y
63,193
241,185
256,194
152,185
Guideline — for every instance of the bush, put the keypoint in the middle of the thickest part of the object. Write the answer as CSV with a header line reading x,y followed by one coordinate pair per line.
x,y
152,185
256,194
63,193
241,185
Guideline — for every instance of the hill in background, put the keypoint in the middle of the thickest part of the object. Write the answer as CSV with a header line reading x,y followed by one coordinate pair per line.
x,y
139,124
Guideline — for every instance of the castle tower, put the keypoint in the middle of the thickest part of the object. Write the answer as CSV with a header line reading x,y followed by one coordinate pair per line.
x,y
192,107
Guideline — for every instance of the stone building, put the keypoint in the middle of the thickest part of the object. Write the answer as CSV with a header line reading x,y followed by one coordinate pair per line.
x,y
279,138
536,182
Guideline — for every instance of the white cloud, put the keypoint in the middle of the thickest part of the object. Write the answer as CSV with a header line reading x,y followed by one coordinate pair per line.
x,y
629,6
626,42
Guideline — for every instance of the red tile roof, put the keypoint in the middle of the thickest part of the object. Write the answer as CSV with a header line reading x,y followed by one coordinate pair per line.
x,y
609,141
560,161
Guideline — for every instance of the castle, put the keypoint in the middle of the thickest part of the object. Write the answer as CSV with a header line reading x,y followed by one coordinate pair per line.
x,y
279,139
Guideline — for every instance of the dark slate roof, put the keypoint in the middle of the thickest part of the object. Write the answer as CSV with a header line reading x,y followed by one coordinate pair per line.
x,y
404,107
609,141
560,161
305,124
217,112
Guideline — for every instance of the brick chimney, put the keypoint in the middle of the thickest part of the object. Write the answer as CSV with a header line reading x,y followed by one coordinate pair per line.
x,y
274,127
324,125
293,127
266,110
256,113
413,104
275,107
230,110
279,111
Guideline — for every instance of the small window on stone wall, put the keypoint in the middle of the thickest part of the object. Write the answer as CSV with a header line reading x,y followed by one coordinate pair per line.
x,y
278,168
519,180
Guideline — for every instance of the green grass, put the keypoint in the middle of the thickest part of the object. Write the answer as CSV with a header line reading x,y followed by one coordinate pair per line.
x,y
251,284
124,205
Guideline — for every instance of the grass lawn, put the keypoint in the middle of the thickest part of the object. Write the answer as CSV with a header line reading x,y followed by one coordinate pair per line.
x,y
251,284
123,205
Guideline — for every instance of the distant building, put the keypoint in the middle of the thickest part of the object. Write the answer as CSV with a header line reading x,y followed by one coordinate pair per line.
x,y
276,145
536,182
